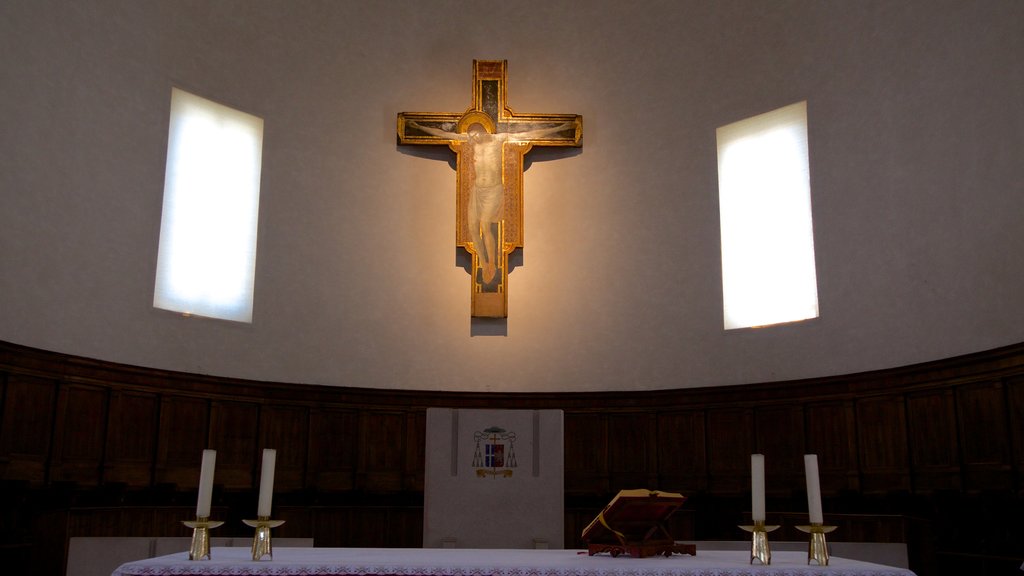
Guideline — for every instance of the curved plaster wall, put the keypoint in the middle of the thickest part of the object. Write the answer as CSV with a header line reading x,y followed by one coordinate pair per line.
x,y
916,123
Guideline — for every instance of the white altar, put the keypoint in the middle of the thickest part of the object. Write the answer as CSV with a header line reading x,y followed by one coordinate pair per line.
x,y
479,562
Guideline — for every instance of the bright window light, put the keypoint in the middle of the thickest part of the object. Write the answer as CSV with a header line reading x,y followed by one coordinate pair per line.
x,y
207,256
768,274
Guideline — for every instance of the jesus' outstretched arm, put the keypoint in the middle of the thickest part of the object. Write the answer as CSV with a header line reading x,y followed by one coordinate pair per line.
x,y
436,131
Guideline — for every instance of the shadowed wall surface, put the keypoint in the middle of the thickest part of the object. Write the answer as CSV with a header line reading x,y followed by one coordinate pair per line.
x,y
915,114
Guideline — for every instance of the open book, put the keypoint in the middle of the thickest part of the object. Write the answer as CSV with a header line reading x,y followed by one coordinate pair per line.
x,y
634,523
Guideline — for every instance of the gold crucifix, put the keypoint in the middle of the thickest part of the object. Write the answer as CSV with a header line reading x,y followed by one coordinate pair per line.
x,y
489,141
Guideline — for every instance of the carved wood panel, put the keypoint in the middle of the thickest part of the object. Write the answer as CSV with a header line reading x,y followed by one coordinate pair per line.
x,y
333,440
1015,409
682,459
984,435
586,454
730,441
931,424
79,434
882,444
415,450
26,428
233,434
632,461
286,429
831,435
184,434
384,527
132,431
381,451
780,437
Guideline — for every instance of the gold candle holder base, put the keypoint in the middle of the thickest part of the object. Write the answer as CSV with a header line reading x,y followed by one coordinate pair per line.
x,y
200,548
261,545
817,550
759,549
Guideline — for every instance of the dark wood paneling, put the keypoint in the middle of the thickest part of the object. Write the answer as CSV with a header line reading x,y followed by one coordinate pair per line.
x,y
1015,410
131,438
102,521
350,461
233,434
931,422
632,452
984,435
882,444
853,527
830,435
586,454
682,460
286,429
576,521
730,441
381,455
333,437
26,429
780,437
79,434
184,434
297,521
415,451
378,527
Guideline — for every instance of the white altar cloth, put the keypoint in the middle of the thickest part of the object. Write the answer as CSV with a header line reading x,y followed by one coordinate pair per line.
x,y
476,562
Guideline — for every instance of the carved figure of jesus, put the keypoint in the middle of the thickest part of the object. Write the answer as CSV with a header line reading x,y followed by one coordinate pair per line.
x,y
487,194
490,142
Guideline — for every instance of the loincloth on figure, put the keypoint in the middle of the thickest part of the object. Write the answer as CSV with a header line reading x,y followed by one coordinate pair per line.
x,y
487,202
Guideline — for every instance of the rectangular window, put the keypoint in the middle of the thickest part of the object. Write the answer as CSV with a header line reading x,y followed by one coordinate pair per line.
x,y
768,273
206,263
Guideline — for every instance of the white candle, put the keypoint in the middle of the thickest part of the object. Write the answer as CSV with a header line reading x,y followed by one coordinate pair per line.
x,y
267,482
813,488
206,484
757,487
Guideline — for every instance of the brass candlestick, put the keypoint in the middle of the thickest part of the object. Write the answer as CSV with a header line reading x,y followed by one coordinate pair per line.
x,y
817,550
261,545
759,549
200,547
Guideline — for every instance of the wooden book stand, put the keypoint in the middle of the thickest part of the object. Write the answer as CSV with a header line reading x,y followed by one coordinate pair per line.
x,y
634,523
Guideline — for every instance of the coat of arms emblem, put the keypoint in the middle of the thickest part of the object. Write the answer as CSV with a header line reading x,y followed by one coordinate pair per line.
x,y
497,457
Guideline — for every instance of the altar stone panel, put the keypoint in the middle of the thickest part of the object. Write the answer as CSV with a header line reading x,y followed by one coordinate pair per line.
x,y
494,479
